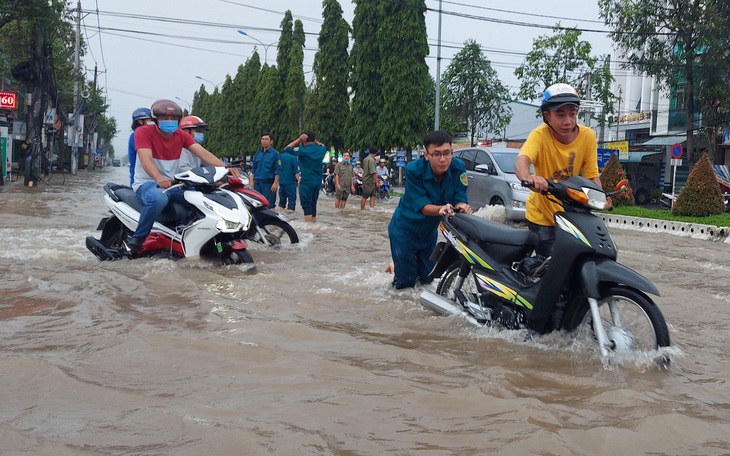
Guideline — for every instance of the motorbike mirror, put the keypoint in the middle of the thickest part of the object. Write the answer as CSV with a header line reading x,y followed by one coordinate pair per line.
x,y
622,186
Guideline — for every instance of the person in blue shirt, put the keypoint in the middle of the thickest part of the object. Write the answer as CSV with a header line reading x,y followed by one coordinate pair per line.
x,y
435,185
288,182
140,116
266,169
310,153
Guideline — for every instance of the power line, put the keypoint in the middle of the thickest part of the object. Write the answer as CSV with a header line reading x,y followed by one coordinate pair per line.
x,y
521,13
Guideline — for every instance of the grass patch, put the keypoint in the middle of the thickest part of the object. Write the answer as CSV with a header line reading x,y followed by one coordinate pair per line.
x,y
666,214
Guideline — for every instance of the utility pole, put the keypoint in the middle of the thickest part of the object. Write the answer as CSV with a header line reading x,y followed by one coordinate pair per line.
x,y
75,133
437,108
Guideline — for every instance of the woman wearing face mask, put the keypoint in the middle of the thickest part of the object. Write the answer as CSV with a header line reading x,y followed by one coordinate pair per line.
x,y
140,116
159,147
194,126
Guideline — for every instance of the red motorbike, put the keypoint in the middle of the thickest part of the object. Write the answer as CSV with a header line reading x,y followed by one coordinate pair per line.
x,y
268,227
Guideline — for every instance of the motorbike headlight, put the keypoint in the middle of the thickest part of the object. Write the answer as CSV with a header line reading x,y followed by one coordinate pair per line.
x,y
228,226
596,198
516,186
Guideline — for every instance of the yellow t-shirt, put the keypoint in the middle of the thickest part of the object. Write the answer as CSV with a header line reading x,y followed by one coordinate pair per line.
x,y
555,160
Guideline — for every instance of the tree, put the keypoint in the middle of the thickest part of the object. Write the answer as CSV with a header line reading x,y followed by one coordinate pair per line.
x,y
701,195
295,88
367,100
672,41
284,47
473,94
611,175
269,104
246,137
329,105
404,74
564,57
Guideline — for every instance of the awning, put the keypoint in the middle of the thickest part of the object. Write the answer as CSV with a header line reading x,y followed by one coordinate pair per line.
x,y
644,156
665,140
722,174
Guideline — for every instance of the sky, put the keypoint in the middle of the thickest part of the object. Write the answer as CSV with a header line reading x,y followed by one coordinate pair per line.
x,y
152,49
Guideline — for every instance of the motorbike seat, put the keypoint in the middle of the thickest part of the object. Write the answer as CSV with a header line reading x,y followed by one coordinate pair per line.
x,y
483,230
172,212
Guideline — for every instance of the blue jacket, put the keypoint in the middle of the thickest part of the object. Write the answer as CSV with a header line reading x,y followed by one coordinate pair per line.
x,y
132,155
310,162
289,169
266,164
422,188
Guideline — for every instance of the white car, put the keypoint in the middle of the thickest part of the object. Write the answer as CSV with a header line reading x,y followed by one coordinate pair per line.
x,y
492,180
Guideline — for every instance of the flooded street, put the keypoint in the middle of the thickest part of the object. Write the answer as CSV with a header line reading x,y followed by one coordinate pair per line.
x,y
314,354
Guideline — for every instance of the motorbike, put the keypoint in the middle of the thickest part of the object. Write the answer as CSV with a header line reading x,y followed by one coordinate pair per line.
x,y
384,190
211,225
490,275
328,184
268,227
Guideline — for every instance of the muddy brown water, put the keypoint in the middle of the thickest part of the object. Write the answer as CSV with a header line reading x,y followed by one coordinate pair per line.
x,y
315,354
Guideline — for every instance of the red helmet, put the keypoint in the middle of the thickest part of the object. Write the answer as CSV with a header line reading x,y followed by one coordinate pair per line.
x,y
193,123
165,108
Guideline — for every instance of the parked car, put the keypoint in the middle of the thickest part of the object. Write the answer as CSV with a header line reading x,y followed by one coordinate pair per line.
x,y
641,186
492,180
116,162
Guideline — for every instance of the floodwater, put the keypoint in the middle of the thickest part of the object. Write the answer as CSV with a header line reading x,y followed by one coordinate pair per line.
x,y
314,354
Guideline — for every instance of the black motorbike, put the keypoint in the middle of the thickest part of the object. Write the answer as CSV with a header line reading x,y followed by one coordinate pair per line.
x,y
489,274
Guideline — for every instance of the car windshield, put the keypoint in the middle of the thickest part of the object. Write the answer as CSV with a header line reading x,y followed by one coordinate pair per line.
x,y
505,161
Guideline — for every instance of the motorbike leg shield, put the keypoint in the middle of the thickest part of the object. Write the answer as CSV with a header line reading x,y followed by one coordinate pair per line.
x,y
594,273
101,251
443,256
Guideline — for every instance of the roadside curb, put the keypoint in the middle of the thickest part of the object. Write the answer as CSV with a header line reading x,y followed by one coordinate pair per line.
x,y
693,230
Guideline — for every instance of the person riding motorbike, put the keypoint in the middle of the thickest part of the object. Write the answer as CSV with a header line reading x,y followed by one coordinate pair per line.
x,y
328,180
140,116
195,127
357,177
159,147
558,149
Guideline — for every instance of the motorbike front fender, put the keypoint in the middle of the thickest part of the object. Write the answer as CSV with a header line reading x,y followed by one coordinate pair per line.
x,y
596,273
263,215
444,255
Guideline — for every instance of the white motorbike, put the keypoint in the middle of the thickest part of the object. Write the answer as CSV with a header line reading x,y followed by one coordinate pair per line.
x,y
211,225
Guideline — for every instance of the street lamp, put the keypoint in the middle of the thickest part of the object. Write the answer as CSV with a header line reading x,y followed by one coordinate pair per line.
x,y
208,80
190,106
266,46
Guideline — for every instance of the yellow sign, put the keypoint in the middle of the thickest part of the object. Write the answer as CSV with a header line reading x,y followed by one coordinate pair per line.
x,y
621,146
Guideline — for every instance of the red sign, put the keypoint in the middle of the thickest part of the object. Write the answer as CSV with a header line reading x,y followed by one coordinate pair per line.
x,y
677,150
8,100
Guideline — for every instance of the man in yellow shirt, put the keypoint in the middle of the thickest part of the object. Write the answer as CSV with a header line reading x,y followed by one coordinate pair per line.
x,y
558,149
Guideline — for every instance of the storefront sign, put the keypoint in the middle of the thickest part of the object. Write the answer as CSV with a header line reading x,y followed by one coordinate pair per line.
x,y
8,100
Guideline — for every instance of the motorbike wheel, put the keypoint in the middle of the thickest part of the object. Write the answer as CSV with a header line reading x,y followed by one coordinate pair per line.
x,y
278,233
114,233
631,319
237,257
447,284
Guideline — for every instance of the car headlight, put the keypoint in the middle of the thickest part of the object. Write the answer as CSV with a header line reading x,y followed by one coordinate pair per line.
x,y
516,186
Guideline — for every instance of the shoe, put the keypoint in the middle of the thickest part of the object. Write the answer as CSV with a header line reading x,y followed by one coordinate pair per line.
x,y
133,244
290,211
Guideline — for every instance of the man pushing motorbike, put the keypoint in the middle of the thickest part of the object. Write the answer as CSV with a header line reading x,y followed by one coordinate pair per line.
x,y
435,185
559,149
159,146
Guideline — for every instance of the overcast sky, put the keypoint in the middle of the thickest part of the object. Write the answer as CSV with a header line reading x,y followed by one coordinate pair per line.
x,y
150,49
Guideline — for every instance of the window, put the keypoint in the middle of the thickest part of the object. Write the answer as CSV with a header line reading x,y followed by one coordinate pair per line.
x,y
468,158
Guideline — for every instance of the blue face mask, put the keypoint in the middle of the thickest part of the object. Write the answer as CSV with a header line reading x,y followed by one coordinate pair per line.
x,y
198,137
168,126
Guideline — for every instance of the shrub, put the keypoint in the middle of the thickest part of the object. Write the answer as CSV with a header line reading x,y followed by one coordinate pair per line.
x,y
611,175
701,195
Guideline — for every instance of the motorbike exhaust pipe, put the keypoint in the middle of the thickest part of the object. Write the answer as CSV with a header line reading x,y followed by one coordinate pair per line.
x,y
442,306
